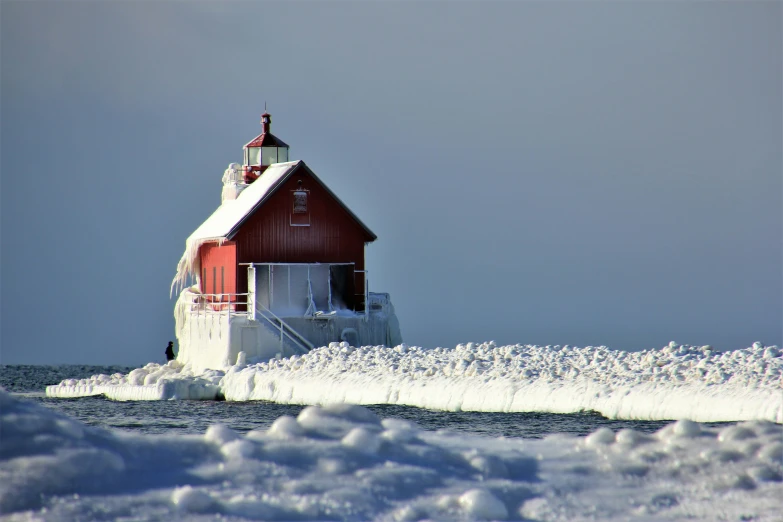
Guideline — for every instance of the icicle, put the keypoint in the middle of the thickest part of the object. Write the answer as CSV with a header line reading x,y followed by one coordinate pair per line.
x,y
183,307
311,305
189,264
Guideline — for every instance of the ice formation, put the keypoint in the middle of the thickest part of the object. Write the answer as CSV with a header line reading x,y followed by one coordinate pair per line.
x,y
675,382
152,382
341,462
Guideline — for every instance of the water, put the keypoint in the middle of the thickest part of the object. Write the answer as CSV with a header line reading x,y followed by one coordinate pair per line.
x,y
178,417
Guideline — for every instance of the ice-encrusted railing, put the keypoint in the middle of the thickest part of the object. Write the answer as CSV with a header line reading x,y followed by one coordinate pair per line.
x,y
286,331
246,306
309,279
366,291
231,304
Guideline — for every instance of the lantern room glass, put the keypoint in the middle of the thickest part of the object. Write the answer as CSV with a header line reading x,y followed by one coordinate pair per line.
x,y
265,155
268,155
252,156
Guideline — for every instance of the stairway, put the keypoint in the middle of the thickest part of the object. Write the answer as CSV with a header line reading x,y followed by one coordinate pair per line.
x,y
291,342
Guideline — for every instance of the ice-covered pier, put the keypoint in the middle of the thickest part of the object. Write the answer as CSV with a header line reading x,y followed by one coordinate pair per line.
x,y
674,382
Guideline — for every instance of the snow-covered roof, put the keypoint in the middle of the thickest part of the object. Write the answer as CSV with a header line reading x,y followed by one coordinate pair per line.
x,y
226,221
223,221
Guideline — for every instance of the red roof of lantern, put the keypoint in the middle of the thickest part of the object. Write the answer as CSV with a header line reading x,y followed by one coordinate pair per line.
x,y
266,138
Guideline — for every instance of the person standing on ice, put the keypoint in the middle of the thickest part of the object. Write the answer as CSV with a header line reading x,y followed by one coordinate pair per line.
x,y
170,351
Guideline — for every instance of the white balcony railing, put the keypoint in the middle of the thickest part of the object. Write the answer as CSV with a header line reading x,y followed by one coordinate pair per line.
x,y
231,304
238,305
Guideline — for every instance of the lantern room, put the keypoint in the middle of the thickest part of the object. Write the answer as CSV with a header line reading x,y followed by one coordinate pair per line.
x,y
264,150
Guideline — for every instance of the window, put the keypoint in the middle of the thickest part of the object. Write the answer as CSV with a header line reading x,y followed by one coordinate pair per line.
x,y
252,156
300,202
268,155
214,280
300,211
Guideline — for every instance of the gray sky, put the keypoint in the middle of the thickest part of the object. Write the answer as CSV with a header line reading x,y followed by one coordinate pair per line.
x,y
551,173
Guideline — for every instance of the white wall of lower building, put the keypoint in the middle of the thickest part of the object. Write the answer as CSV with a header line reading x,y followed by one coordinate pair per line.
x,y
205,341
213,339
210,339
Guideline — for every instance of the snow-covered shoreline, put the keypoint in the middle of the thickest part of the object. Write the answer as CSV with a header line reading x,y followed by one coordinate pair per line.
x,y
342,462
674,382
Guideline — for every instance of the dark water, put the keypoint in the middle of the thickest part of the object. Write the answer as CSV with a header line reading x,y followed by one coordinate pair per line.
x,y
177,417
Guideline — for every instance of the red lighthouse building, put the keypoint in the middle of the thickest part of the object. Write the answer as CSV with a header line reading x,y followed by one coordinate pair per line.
x,y
279,266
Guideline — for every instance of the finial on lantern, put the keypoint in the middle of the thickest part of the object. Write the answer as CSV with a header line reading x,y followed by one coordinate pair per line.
x,y
266,120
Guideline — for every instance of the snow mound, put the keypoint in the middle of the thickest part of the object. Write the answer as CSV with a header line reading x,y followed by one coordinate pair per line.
x,y
674,382
343,463
172,380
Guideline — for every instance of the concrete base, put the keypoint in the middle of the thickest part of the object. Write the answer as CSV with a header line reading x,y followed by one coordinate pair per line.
x,y
211,339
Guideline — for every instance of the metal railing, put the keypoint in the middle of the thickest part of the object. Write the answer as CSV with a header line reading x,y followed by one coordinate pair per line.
x,y
219,304
271,292
286,331
366,294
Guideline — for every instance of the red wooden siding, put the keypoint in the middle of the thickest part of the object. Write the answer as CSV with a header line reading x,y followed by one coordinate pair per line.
x,y
268,236
219,264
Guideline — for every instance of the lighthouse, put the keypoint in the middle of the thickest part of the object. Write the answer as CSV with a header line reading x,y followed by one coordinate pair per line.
x,y
278,268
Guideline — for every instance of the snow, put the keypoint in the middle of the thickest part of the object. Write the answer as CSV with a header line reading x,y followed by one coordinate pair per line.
x,y
674,382
233,182
172,380
223,221
341,462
